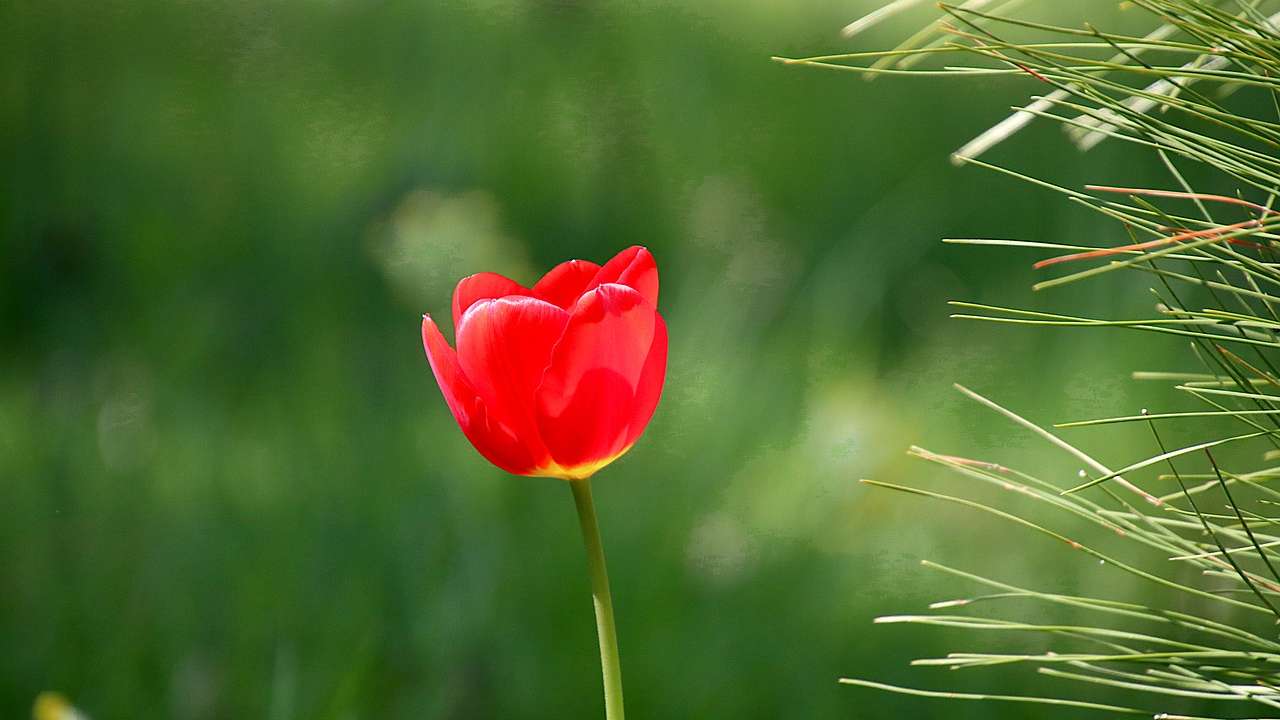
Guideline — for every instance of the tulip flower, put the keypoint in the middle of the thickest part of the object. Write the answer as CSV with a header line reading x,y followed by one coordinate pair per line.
x,y
558,380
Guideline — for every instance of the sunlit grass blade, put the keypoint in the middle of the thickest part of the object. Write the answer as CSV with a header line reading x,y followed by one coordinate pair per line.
x,y
1062,702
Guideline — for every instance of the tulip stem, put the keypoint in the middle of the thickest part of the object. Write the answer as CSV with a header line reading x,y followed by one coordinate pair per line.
x,y
610,668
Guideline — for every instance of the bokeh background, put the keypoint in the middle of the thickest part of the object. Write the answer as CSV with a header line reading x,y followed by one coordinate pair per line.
x,y
231,488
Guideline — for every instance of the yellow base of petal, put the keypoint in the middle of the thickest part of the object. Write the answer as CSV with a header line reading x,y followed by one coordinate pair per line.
x,y
577,472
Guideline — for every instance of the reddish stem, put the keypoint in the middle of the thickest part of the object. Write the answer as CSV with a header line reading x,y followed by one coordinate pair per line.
x,y
1190,235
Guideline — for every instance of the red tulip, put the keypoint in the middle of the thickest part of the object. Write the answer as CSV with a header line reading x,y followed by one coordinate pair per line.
x,y
560,379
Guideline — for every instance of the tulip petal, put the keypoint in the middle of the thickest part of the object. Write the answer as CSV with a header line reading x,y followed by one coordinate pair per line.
x,y
633,267
566,282
496,442
482,286
604,379
504,347
649,385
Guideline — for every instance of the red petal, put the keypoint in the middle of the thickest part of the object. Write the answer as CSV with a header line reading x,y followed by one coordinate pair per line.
x,y
633,267
565,283
496,442
604,378
504,346
649,386
482,286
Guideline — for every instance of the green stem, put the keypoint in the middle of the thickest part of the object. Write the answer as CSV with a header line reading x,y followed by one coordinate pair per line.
x,y
609,665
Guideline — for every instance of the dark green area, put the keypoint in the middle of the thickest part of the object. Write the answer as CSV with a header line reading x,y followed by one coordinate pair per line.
x,y
231,488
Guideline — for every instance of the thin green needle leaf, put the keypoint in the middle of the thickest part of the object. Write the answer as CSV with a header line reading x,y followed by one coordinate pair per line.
x,y
999,698
1165,416
1163,457
1065,540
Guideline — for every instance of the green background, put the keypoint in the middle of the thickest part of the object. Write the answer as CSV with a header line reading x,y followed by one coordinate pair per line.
x,y
231,487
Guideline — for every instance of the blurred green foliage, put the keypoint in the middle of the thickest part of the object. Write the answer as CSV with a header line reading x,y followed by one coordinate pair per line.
x,y
231,488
